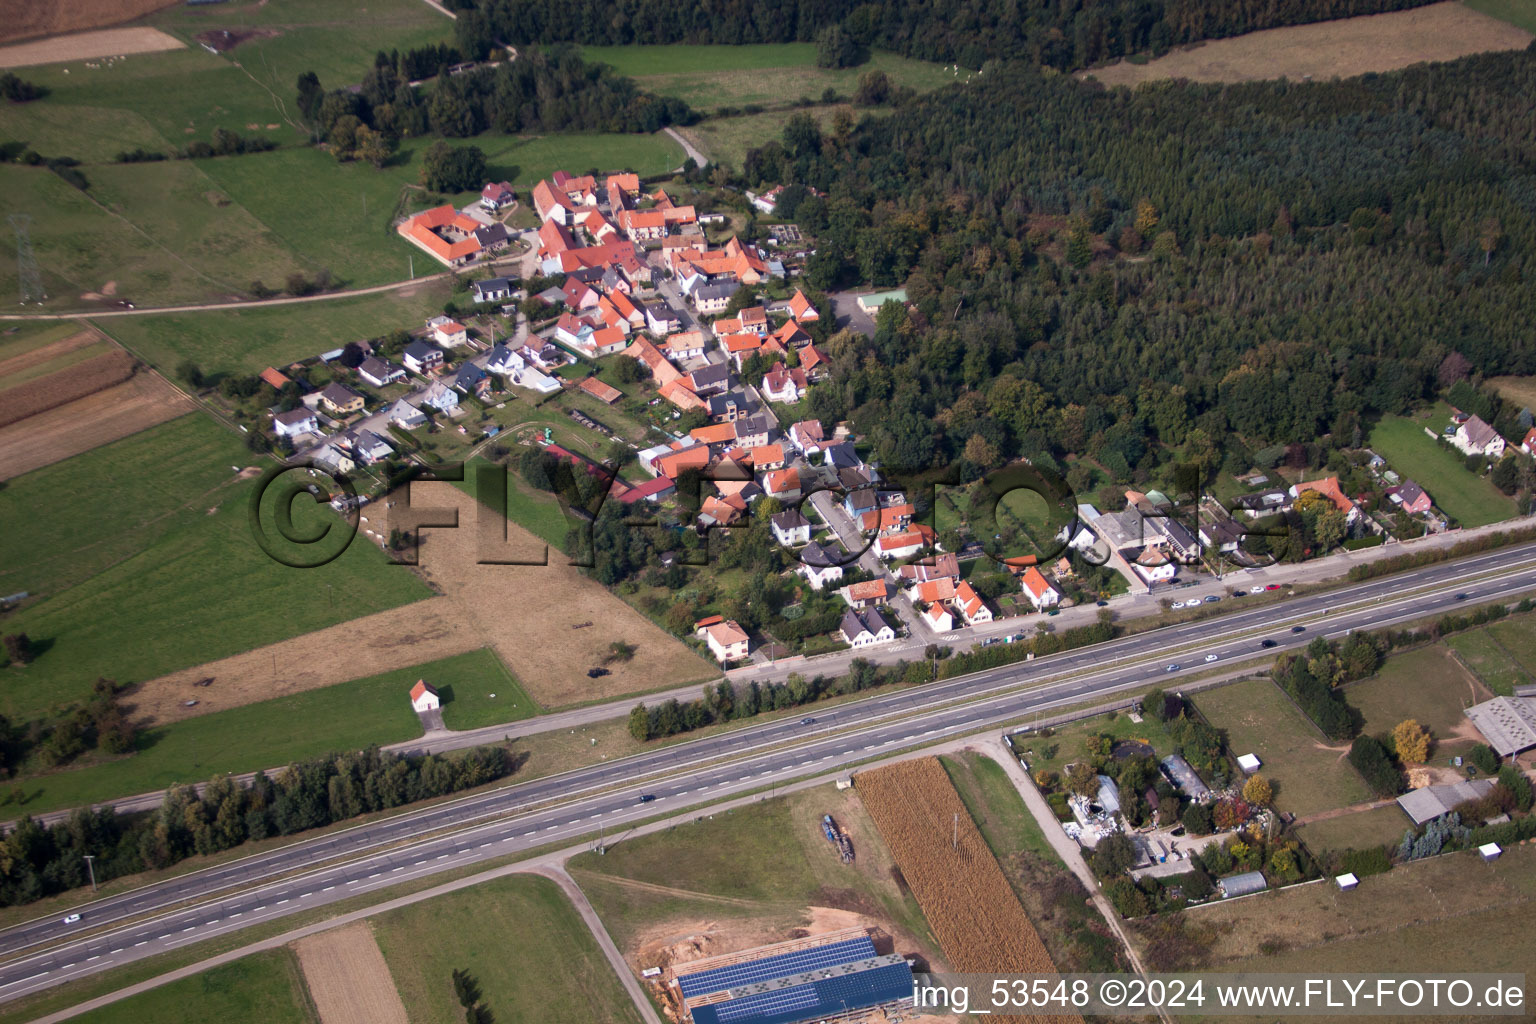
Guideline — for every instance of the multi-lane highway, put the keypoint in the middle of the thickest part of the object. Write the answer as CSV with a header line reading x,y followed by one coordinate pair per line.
x,y
311,873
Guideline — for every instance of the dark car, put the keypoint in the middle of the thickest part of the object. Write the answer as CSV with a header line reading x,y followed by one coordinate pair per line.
x,y
1266,643
1298,629
807,721
646,798
1462,597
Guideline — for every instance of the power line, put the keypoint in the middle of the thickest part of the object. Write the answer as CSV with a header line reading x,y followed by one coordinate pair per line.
x,y
28,274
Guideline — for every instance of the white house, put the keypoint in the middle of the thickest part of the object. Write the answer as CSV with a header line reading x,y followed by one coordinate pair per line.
x,y
419,357
370,447
505,360
900,545
494,289
818,566
380,372
406,416
1039,590
441,397
424,697
938,618
970,605
1475,437
295,422
448,332
727,641
783,385
865,628
791,528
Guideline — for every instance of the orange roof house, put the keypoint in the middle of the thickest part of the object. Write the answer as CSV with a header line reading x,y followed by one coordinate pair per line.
x,y
644,350
782,481
673,464
791,334
445,233
1329,488
941,589
811,358
605,393
680,394
768,456
718,433
628,183
970,605
1037,586
275,377
801,309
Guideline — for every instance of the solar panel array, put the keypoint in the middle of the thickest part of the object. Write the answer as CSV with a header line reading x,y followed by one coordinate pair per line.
x,y
808,1002
720,979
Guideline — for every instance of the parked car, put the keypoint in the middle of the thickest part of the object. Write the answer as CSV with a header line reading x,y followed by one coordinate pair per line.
x,y
1239,593
1212,599
1272,586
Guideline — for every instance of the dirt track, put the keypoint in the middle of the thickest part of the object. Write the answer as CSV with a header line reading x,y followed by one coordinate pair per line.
x,y
1330,49
523,612
90,45
143,401
348,978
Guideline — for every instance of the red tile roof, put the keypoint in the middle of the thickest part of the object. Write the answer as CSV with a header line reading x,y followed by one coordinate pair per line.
x,y
605,393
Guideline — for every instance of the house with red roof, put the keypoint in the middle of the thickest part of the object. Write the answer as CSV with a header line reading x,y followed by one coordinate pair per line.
x,y
447,235
497,196
1041,593
275,377
424,697
938,618
1329,488
970,606
784,385
801,309
869,594
726,640
781,483
605,393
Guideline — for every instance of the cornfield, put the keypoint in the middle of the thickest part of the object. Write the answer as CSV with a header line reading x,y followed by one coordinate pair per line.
x,y
975,915
63,386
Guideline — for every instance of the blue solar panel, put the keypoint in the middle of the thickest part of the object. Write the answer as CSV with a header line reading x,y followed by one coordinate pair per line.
x,y
782,966
808,1002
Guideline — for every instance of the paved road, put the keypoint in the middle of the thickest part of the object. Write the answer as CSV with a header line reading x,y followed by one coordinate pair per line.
x,y
688,148
191,908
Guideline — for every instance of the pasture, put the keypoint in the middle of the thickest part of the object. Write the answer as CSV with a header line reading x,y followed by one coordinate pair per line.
x,y
1360,830
266,987
746,877
727,139
1520,390
1442,472
519,938
1337,49
1516,12
1427,685
1308,773
1490,662
710,77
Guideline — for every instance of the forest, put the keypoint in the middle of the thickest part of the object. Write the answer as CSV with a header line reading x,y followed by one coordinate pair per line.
x,y
1049,33
1209,273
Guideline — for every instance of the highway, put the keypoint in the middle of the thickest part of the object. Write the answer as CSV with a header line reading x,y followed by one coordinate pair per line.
x,y
215,901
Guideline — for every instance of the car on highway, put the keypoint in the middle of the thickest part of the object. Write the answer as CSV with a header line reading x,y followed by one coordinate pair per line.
x,y
1172,668
1462,597
72,919
807,721
1212,657
1298,629
646,798
1212,599
1266,643
1272,586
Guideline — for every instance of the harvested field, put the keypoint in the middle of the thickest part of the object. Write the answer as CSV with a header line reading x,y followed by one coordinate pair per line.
x,y
28,19
142,401
1330,49
35,362
110,42
348,978
975,915
526,613
56,389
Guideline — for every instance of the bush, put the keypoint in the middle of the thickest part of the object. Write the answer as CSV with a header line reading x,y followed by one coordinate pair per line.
x,y
1370,759
1485,758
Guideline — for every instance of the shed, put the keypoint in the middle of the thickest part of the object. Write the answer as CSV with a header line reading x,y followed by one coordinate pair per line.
x,y
424,697
1431,802
1346,881
1490,851
1249,763
1244,884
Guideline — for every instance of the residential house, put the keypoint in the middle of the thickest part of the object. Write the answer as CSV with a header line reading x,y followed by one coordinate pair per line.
x,y
889,519
784,385
726,640
939,567
971,608
938,618
861,629
768,456
870,594
660,318
295,422
800,308
861,500
1329,488
444,233
605,393
819,566
674,464
1221,534
652,490
341,399
754,431
644,351
471,380
336,457
813,362
1040,591
492,237
935,591
710,299
504,360
420,357
807,437
370,447
1475,437
721,511
552,205
493,289
712,379
680,395
791,528
783,484
497,196
441,397
447,332
791,335
904,544
1410,497
685,345
1529,444
423,696
841,456
380,372
406,416
727,408
752,320
579,295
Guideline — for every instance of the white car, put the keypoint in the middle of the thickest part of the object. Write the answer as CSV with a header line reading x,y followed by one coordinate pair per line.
x,y
72,919
1177,605
1212,657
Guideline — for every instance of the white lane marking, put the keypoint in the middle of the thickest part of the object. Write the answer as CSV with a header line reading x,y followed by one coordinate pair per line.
x,y
328,888
188,928
442,856
400,868
116,951
240,914
376,874
483,845
281,902
138,944
551,828
90,958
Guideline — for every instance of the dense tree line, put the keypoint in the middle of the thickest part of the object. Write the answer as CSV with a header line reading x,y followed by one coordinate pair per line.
x,y
1057,35
542,91
1262,264
39,860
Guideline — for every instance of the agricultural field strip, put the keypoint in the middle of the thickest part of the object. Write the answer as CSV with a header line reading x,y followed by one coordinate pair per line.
x,y
547,825
934,696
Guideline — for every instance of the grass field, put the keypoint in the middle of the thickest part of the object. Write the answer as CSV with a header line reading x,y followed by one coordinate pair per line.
x,y
1340,48
249,340
1417,917
708,77
1380,826
1308,774
1520,390
347,716
1442,472
181,581
520,938
746,877
727,139
1517,635
1490,662
266,987
997,808
1426,685
1055,752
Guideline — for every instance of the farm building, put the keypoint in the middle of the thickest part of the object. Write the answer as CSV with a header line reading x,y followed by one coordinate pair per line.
x,y
424,697
1181,775
809,979
1507,723
1431,802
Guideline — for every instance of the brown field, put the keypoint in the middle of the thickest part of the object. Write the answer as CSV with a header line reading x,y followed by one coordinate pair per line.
x,y
29,18
524,612
972,909
348,978
1520,390
1330,49
55,389
25,364
90,45
143,401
